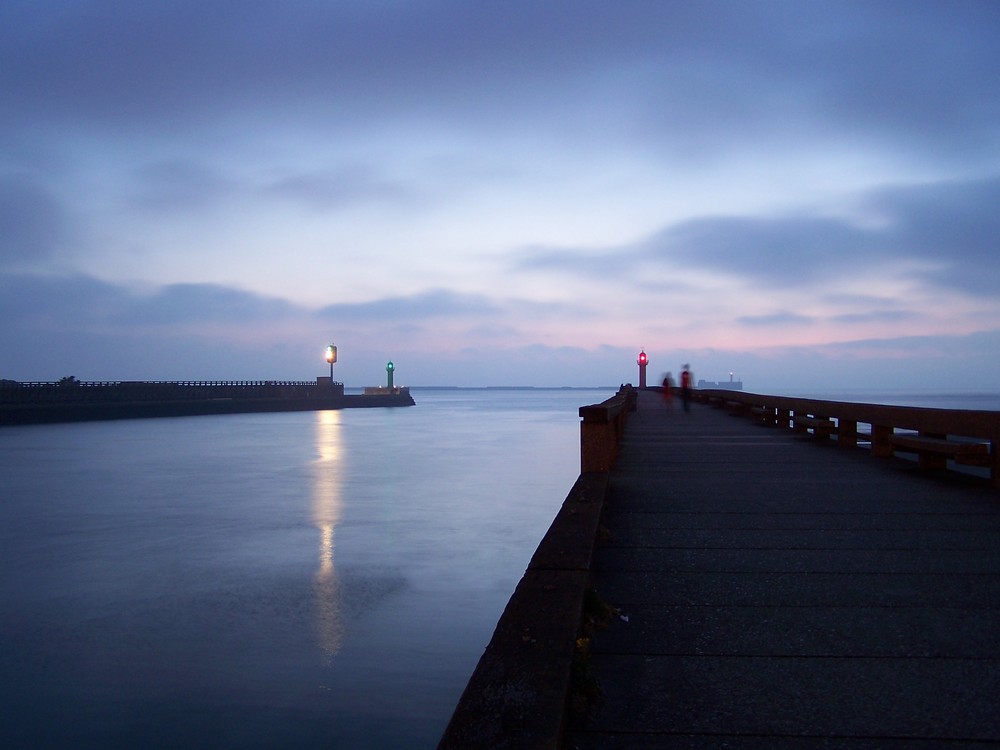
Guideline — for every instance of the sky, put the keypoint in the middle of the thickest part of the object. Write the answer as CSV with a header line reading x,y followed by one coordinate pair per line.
x,y
803,194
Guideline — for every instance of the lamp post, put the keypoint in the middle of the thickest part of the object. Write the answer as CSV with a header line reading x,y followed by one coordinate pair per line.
x,y
331,357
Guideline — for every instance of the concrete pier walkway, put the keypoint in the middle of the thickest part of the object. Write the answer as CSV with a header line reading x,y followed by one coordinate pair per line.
x,y
785,594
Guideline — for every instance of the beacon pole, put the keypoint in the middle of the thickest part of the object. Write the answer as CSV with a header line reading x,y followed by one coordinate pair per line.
x,y
331,357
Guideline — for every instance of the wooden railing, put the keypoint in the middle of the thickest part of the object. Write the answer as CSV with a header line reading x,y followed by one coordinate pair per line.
x,y
935,436
601,428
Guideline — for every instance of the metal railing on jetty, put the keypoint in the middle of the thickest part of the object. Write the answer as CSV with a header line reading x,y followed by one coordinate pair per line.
x,y
77,391
935,436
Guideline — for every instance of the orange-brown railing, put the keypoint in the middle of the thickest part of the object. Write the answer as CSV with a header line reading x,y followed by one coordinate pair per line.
x,y
935,436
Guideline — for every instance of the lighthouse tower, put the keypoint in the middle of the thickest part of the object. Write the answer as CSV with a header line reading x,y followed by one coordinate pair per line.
x,y
642,361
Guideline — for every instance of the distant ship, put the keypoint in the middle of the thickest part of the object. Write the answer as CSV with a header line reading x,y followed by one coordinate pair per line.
x,y
730,385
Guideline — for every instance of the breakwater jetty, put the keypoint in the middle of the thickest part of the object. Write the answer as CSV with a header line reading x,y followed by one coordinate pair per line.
x,y
756,573
71,400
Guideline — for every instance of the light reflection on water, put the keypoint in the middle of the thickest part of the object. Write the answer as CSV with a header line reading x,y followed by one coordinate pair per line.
x,y
282,580
326,513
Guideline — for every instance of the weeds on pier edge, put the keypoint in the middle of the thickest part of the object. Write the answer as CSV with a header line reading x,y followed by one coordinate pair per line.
x,y
585,689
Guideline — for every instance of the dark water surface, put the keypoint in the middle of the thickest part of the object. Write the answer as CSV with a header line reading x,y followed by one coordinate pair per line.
x,y
314,579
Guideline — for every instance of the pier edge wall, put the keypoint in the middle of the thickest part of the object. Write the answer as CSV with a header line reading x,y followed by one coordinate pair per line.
x,y
520,692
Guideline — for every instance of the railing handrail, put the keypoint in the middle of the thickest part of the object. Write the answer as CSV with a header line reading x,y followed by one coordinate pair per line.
x,y
184,383
959,422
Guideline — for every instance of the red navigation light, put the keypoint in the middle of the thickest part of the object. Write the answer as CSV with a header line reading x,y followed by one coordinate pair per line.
x,y
642,358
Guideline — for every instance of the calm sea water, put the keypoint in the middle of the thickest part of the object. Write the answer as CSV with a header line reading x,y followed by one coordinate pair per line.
x,y
312,579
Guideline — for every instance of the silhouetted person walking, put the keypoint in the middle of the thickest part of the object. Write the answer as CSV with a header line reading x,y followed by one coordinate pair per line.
x,y
668,391
686,387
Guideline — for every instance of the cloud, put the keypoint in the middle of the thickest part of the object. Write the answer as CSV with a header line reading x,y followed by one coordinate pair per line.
x,y
32,223
95,330
67,303
942,233
423,306
953,224
885,77
178,185
577,262
877,316
333,189
177,304
984,342
154,64
703,79
98,330
785,250
784,76
76,303
947,364
783,318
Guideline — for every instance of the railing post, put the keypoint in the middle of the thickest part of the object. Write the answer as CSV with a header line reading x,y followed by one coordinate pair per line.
x,y
995,461
847,433
597,442
931,461
796,427
880,440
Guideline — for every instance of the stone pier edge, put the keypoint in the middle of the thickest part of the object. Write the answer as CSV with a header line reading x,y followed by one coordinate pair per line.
x,y
519,694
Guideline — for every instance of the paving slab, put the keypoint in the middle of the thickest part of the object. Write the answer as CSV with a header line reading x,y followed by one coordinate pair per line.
x,y
716,558
632,522
786,695
930,632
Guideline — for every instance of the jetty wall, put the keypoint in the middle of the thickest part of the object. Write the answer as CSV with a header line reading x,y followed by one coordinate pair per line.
x,y
76,401
525,682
